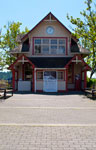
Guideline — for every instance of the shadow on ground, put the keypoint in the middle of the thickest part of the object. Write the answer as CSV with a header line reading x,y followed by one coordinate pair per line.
x,y
53,93
81,93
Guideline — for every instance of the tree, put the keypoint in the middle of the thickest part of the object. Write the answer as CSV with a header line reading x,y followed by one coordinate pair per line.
x,y
8,42
85,30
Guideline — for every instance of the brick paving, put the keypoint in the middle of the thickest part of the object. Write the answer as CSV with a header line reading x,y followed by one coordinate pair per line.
x,y
47,138
44,110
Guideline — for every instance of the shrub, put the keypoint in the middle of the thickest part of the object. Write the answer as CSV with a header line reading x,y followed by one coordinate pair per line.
x,y
91,83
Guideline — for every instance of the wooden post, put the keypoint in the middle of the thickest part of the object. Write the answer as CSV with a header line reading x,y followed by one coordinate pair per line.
x,y
13,79
67,79
33,87
23,72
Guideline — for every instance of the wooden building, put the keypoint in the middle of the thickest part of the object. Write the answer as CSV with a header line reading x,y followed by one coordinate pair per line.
x,y
49,59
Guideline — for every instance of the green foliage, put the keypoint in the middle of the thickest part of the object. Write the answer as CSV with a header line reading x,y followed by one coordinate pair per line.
x,y
91,83
8,42
85,30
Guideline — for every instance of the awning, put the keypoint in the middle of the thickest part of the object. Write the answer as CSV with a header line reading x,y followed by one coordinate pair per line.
x,y
50,62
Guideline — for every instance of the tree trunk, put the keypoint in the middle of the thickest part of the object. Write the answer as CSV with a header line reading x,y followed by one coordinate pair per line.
x,y
92,72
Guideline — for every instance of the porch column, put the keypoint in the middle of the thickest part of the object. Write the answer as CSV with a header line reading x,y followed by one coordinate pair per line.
x,y
13,79
35,80
67,79
23,72
33,86
85,79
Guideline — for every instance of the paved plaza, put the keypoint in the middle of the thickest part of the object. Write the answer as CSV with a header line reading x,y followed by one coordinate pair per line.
x,y
47,122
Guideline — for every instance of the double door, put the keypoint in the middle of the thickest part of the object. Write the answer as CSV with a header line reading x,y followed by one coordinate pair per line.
x,y
50,81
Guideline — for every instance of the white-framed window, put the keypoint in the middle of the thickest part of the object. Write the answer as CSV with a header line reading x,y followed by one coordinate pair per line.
x,y
60,75
53,46
45,46
50,46
37,44
62,46
39,75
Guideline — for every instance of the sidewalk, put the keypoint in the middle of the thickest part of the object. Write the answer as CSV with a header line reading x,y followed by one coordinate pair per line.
x,y
47,122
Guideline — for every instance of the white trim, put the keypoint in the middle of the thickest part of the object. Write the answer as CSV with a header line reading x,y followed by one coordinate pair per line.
x,y
77,60
50,20
59,55
23,60
51,68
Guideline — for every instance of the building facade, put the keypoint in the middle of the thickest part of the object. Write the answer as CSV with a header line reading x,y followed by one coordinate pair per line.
x,y
48,59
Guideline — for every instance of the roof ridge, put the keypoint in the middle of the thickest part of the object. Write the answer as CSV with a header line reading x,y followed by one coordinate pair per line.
x,y
42,21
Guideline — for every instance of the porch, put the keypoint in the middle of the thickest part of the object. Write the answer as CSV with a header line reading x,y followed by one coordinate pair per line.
x,y
49,74
76,74
22,74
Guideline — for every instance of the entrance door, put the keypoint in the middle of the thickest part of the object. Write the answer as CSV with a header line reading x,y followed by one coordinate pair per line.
x,y
50,81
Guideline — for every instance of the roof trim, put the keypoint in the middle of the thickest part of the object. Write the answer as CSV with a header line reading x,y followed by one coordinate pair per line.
x,y
49,62
88,67
42,21
12,65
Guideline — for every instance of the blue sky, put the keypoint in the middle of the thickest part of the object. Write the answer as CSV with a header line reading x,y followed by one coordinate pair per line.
x,y
30,12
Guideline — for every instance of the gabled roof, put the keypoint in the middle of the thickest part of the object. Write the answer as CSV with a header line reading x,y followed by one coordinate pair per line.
x,y
79,58
49,62
44,62
42,21
20,58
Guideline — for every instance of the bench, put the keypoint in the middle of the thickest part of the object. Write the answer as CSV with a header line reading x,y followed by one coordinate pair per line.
x,y
92,92
5,91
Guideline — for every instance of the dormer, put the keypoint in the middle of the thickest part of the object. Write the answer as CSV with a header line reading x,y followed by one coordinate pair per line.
x,y
25,46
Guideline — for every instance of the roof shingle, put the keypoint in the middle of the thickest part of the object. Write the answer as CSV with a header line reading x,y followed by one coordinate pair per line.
x,y
50,62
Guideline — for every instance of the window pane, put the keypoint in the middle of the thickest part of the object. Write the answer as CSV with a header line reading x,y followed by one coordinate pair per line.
x,y
45,49
45,41
60,75
37,49
37,41
39,75
50,75
53,74
53,49
53,41
61,41
61,49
